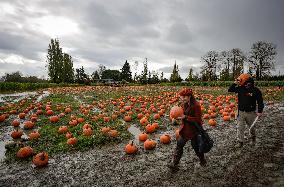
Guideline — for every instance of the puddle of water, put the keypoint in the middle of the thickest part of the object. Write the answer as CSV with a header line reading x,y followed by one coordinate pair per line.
x,y
15,97
43,95
2,150
135,131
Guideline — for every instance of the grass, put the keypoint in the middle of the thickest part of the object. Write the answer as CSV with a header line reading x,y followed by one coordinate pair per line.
x,y
101,99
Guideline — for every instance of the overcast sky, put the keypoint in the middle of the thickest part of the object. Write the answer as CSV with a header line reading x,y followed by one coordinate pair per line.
x,y
108,32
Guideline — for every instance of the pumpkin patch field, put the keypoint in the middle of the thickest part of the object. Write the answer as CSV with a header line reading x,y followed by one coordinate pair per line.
x,y
103,135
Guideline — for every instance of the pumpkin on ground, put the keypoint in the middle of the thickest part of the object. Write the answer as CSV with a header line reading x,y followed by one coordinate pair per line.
x,y
149,144
87,131
41,159
165,139
212,122
25,152
113,133
150,128
16,123
34,135
28,125
131,148
143,137
72,141
54,119
62,129
17,134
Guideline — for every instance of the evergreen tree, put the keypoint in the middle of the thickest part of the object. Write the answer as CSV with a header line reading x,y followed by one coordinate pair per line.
x,y
125,72
143,77
190,76
175,77
68,70
60,65
81,76
95,75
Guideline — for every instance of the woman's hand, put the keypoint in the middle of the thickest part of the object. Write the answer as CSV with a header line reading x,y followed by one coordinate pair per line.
x,y
181,117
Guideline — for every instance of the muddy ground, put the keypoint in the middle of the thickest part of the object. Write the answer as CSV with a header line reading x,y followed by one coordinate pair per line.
x,y
261,164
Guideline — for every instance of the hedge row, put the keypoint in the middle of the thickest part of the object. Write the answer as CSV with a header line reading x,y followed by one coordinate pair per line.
x,y
224,83
14,86
11,86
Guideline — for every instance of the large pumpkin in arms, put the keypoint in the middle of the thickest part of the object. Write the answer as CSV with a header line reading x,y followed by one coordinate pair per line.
x,y
176,112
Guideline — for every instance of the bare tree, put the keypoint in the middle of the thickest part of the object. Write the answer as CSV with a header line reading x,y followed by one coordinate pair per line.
x,y
209,69
261,58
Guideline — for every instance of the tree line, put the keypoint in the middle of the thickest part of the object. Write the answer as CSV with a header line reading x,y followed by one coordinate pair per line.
x,y
224,66
227,65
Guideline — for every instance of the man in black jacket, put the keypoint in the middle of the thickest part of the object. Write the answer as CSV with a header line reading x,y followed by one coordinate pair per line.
x,y
248,97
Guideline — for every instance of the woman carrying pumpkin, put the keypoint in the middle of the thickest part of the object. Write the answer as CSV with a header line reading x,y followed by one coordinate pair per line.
x,y
187,131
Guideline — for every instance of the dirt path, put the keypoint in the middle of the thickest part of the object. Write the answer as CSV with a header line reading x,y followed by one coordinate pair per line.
x,y
253,165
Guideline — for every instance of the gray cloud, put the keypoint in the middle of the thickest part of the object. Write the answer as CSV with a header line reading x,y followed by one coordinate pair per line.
x,y
110,32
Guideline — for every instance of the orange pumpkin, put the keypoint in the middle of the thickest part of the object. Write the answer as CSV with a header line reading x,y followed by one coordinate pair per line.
x,y
156,116
41,159
72,141
139,116
54,119
68,135
143,137
243,78
176,112
127,118
16,123
87,125
22,115
34,135
80,120
165,139
130,148
49,112
67,110
87,131
206,116
105,130
28,125
156,125
212,122
113,133
73,122
2,118
150,128
226,118
25,152
144,121
17,134
62,129
149,144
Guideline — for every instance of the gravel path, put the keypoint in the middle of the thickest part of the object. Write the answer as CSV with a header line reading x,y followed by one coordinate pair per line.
x,y
261,164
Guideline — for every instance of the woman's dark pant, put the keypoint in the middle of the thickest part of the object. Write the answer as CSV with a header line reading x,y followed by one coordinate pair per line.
x,y
179,149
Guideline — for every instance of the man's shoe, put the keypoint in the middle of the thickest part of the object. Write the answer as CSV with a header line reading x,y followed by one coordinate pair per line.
x,y
173,166
203,163
240,145
253,139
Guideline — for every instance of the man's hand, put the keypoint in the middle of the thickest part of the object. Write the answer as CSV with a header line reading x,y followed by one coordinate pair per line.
x,y
259,114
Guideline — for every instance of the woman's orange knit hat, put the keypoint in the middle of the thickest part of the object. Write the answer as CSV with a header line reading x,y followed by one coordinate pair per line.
x,y
185,92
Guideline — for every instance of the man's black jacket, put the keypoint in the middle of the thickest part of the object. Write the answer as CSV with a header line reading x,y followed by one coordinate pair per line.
x,y
247,98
